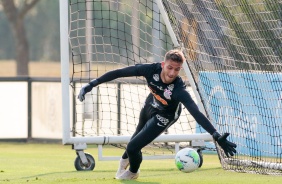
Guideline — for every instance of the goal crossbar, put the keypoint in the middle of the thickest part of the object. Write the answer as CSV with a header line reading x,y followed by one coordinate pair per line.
x,y
233,72
102,140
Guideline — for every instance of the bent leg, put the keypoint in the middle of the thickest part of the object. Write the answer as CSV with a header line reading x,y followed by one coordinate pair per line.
x,y
149,132
146,113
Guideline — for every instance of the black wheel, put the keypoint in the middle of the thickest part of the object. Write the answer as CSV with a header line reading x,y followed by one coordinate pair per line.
x,y
87,167
201,157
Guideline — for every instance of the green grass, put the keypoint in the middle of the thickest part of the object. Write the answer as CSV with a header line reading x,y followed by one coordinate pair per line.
x,y
54,163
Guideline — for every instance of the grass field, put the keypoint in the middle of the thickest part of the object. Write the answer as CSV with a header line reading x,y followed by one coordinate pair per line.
x,y
54,163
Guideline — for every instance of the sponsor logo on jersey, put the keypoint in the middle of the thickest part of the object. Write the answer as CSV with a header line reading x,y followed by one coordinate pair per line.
x,y
162,121
170,87
167,94
159,87
160,99
156,77
155,103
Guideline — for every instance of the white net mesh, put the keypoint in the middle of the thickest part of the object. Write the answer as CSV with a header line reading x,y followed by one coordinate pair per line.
x,y
233,49
106,35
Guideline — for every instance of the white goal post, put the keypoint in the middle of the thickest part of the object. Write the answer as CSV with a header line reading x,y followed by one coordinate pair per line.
x,y
233,71
80,142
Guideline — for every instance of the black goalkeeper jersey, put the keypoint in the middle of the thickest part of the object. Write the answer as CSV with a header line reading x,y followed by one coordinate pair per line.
x,y
164,97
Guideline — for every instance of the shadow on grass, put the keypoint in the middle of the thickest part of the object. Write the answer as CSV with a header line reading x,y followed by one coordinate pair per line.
x,y
39,176
36,177
136,181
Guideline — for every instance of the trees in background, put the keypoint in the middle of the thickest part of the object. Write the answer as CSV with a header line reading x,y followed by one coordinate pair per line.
x,y
29,30
16,17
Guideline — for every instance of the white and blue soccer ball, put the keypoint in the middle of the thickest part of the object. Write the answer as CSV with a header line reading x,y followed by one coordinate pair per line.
x,y
187,160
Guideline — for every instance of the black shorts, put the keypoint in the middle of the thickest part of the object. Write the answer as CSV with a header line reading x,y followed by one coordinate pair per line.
x,y
151,124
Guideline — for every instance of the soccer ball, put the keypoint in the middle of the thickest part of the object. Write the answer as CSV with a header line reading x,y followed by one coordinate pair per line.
x,y
187,160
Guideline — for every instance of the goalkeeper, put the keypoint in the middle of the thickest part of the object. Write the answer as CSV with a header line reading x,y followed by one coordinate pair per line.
x,y
161,109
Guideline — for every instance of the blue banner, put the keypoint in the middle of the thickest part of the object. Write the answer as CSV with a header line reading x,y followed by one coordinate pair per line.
x,y
249,106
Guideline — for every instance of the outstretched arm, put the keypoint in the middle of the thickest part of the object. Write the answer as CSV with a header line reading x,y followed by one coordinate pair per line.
x,y
111,75
185,98
114,74
227,146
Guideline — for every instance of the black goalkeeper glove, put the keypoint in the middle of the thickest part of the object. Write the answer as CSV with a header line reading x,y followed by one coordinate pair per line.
x,y
227,146
87,88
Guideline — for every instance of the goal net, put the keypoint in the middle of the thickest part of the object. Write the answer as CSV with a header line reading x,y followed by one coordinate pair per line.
x,y
233,50
107,35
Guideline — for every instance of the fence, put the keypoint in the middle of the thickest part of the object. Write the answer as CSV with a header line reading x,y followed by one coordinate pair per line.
x,y
30,109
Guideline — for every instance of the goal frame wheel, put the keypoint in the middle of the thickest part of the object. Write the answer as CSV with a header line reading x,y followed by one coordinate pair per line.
x,y
80,166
